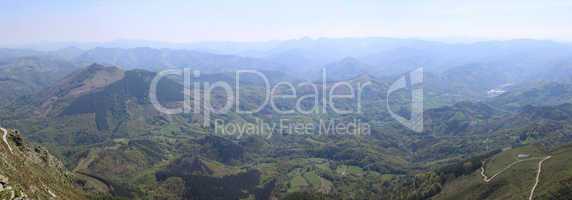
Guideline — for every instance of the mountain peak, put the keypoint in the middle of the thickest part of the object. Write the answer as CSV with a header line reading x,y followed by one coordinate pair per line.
x,y
95,66
84,81
92,77
347,68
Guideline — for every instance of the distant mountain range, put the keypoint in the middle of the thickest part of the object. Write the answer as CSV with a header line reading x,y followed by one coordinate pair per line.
x,y
521,59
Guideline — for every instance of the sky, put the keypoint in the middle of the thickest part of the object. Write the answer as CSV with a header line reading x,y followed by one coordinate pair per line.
x,y
182,21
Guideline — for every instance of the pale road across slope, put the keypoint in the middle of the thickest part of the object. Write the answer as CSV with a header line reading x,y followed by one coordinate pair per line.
x,y
537,177
5,138
487,179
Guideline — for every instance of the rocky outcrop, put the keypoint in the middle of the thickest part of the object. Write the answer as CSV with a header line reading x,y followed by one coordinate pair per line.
x,y
31,172
7,191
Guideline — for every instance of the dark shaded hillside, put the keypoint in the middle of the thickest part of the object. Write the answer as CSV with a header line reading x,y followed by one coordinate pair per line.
x,y
200,184
96,104
82,81
112,100
465,118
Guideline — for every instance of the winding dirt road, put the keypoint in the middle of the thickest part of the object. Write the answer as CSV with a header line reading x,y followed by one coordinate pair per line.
x,y
487,179
537,177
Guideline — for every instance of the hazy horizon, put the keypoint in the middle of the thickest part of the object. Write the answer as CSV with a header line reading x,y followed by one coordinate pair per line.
x,y
175,21
142,43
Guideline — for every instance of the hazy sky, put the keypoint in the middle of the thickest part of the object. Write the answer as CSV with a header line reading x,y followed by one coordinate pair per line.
x,y
29,21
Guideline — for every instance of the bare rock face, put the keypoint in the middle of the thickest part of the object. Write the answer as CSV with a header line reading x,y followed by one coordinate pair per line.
x,y
6,190
3,179
31,172
36,154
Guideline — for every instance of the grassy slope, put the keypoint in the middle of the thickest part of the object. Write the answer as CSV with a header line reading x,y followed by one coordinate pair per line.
x,y
516,182
35,172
